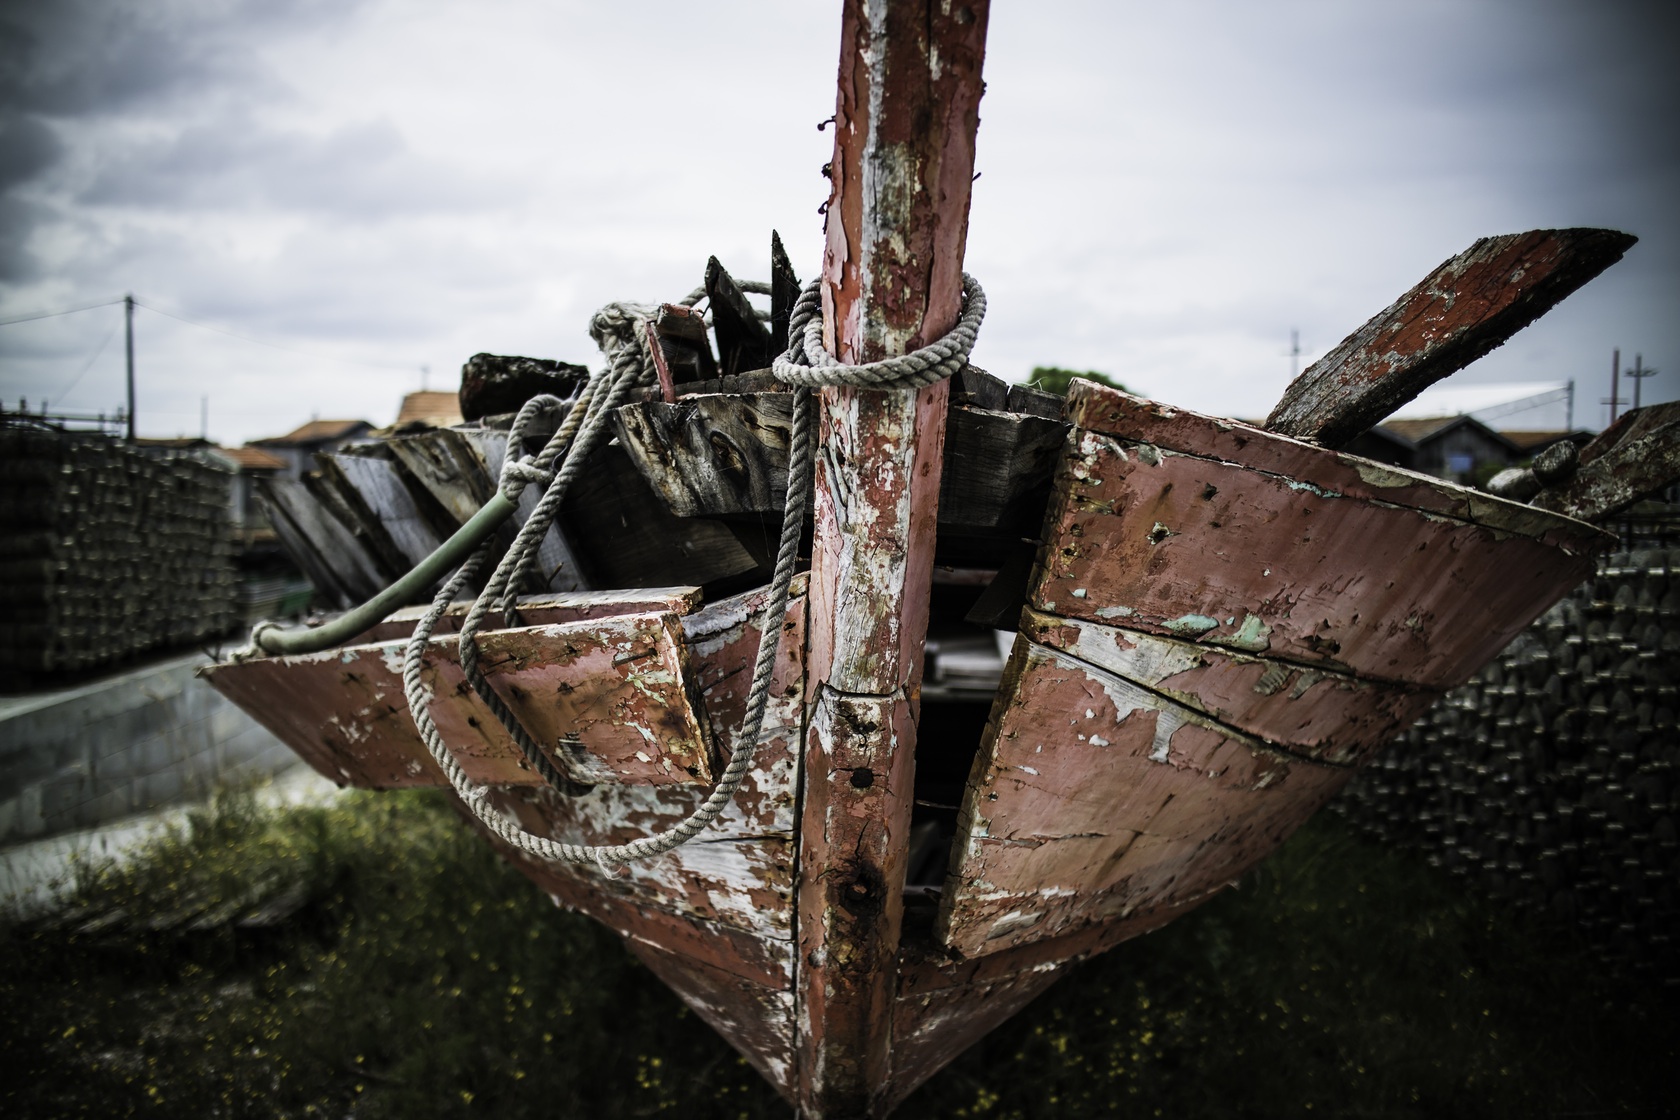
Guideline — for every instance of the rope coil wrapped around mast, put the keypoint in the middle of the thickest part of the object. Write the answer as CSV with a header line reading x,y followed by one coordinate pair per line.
x,y
620,330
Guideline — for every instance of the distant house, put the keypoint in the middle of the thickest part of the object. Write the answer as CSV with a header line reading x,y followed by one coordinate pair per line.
x,y
297,448
1385,446
429,409
249,520
1457,448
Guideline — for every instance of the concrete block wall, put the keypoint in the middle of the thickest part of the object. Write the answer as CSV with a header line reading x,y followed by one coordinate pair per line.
x,y
136,741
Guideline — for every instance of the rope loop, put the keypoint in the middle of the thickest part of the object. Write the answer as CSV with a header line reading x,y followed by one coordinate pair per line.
x,y
518,468
620,331
807,363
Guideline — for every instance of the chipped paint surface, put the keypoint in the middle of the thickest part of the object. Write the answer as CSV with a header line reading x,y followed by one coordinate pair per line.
x,y
1316,713
1254,563
1133,420
713,918
608,699
1175,807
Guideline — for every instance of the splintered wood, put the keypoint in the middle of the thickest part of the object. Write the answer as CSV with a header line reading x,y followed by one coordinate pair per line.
x,y
1465,308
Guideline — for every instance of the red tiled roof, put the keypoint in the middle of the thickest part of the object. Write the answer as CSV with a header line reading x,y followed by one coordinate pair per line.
x,y
253,458
317,431
430,406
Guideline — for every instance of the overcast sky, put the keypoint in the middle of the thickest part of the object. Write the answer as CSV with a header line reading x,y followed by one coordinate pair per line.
x,y
366,189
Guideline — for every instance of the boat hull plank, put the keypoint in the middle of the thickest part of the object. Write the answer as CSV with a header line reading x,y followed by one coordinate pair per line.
x,y
756,1019
1315,712
542,609
713,918
1180,545
933,1027
607,698
1093,798
1096,408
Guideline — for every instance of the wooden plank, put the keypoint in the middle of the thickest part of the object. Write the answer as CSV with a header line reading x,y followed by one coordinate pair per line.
x,y
726,456
625,537
297,545
784,293
715,917
352,568
556,555
1636,456
1468,306
544,608
607,698
1093,798
1173,429
1313,712
711,456
681,351
378,485
892,279
452,473
931,1028
1162,540
359,524
995,483
743,342
756,1019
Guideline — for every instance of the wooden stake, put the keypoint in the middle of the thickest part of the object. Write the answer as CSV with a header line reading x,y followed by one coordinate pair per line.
x,y
892,280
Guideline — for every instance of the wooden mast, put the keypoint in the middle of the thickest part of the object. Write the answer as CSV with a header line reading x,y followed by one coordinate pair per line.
x,y
908,109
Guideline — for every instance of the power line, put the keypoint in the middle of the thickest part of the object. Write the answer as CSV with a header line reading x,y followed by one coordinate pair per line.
x,y
56,314
77,380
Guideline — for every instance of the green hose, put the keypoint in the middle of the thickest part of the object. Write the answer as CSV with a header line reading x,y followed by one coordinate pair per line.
x,y
448,556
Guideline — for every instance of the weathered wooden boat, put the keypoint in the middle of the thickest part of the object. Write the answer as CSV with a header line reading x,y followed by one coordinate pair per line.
x,y
1211,624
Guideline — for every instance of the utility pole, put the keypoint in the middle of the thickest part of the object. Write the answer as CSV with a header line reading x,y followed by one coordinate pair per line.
x,y
1294,354
128,317
1615,381
1639,373
204,417
1569,406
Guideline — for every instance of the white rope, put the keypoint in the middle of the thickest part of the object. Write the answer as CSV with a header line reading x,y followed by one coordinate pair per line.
x,y
620,331
807,363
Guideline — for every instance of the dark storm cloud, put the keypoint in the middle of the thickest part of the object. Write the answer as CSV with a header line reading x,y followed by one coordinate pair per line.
x,y
359,172
75,58
64,62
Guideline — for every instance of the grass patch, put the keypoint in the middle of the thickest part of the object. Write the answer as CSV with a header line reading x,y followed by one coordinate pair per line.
x,y
424,978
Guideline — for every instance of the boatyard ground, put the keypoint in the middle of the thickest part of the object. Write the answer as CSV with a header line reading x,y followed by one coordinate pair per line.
x,y
371,957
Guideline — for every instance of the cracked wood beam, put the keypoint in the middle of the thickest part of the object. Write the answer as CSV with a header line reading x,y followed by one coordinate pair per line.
x,y
908,108
1468,306
1636,456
